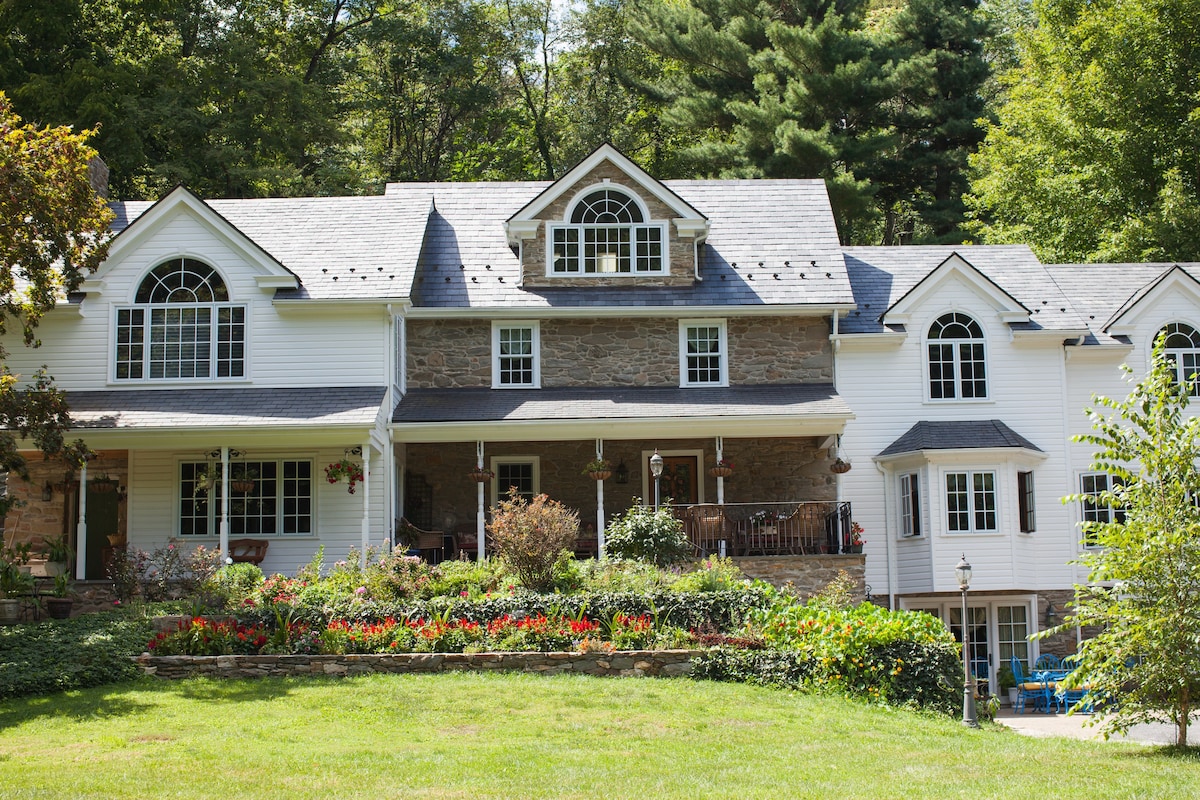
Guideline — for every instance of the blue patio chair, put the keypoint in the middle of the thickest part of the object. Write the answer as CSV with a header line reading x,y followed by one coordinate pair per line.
x,y
1028,688
1078,695
1047,661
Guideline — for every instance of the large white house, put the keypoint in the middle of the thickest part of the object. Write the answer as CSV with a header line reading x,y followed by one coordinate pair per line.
x,y
523,329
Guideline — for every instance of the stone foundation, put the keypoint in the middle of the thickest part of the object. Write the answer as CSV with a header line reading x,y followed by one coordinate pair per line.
x,y
624,663
808,574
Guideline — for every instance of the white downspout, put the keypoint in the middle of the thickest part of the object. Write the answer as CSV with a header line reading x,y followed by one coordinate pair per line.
x,y
81,528
223,529
887,533
479,522
720,480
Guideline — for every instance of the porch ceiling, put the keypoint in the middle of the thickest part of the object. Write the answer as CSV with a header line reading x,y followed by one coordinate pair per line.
x,y
444,415
172,417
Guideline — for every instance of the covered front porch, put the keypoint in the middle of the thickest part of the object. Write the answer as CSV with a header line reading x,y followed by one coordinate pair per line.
x,y
749,470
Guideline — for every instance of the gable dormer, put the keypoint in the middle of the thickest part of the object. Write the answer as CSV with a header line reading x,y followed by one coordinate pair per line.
x,y
956,268
607,223
1174,291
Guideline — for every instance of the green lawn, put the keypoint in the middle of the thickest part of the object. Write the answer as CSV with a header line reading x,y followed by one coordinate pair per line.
x,y
523,736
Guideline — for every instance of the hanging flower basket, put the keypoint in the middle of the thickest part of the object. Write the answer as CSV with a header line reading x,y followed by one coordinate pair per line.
x,y
345,469
481,475
598,470
103,485
840,467
241,485
723,469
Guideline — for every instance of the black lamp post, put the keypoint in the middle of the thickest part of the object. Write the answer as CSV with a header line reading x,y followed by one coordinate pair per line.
x,y
656,467
962,572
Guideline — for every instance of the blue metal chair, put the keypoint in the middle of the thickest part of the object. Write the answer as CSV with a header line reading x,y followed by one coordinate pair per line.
x,y
1028,688
1047,661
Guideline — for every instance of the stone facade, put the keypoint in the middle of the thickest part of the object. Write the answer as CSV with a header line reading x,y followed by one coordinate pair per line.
x,y
809,575
767,470
681,270
454,354
1060,644
622,663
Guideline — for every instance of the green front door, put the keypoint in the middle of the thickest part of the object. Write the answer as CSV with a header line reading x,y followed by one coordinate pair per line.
x,y
101,523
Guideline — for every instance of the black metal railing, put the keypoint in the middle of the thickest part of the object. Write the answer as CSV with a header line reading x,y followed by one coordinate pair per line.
x,y
776,528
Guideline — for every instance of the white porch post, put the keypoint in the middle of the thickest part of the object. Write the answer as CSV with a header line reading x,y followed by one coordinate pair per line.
x,y
599,504
720,480
366,505
224,523
81,528
479,522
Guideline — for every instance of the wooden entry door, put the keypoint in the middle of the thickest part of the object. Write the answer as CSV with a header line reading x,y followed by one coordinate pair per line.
x,y
102,521
679,481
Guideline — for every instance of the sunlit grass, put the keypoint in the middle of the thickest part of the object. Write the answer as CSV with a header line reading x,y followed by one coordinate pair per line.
x,y
523,736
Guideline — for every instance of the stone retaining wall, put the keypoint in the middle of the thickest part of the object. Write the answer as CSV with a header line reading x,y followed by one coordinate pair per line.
x,y
808,574
623,663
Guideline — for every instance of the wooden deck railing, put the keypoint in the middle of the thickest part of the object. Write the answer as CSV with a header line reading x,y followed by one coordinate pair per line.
x,y
783,528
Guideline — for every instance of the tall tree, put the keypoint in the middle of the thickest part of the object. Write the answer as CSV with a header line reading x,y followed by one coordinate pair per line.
x,y
1093,154
1143,589
53,232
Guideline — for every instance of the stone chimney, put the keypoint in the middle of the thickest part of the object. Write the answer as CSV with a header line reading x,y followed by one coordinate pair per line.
x,y
98,176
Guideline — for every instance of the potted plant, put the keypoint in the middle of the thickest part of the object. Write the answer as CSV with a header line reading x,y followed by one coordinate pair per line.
x,y
599,469
13,581
1008,684
58,605
856,540
480,475
722,469
242,479
104,484
345,469
58,554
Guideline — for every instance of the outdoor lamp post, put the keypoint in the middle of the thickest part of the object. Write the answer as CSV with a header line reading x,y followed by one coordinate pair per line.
x,y
656,468
963,573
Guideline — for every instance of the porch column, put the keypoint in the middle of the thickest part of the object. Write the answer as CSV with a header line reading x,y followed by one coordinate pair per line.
x,y
81,528
599,504
720,480
224,523
479,522
366,505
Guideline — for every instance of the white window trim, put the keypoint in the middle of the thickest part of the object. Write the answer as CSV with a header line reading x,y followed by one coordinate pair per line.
x,y
1082,506
987,363
1174,351
723,334
114,324
913,480
648,478
497,326
494,463
992,603
664,265
215,511
996,490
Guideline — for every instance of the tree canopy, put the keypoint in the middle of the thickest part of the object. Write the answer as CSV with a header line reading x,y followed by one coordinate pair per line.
x,y
1143,592
1093,155
53,232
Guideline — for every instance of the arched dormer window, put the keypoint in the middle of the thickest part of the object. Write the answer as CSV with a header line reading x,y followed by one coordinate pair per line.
x,y
957,364
607,233
1182,347
181,327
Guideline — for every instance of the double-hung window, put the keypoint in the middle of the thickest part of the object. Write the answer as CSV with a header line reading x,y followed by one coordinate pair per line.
x,y
1096,507
270,497
607,233
971,502
515,355
957,359
181,327
703,353
516,473
910,504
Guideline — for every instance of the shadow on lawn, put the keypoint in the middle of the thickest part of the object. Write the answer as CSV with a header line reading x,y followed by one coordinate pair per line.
x,y
114,700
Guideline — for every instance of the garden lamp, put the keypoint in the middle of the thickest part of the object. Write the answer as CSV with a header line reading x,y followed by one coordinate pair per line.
x,y
656,467
962,573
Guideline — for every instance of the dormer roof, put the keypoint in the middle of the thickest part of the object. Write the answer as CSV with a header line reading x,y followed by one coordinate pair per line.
x,y
955,266
1173,280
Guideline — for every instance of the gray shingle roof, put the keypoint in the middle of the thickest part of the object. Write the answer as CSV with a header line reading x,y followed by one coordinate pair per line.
x,y
772,230
958,435
191,408
1100,290
882,275
339,247
481,405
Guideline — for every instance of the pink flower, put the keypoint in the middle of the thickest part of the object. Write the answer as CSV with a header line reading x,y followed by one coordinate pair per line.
x,y
360,591
462,594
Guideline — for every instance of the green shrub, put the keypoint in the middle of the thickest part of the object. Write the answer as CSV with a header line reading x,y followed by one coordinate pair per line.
x,y
711,575
530,536
233,584
476,578
89,650
645,534
784,668
614,575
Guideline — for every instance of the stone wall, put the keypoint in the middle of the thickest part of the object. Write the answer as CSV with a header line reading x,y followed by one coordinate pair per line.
x,y
624,663
1061,644
808,574
680,272
35,520
456,354
766,470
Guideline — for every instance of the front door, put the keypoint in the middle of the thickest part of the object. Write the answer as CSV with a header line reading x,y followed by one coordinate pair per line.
x,y
102,521
678,483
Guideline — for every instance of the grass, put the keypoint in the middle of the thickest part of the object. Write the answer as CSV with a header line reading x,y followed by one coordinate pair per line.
x,y
525,736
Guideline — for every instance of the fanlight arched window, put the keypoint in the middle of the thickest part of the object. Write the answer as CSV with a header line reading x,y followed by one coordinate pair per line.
x,y
1182,347
607,233
181,326
957,363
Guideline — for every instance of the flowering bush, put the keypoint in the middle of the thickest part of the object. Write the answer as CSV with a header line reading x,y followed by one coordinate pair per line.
x,y
530,535
345,469
856,532
647,534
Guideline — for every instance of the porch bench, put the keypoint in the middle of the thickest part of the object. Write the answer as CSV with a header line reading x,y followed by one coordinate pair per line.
x,y
248,551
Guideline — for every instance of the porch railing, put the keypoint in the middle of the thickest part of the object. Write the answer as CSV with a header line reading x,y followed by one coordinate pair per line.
x,y
787,528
